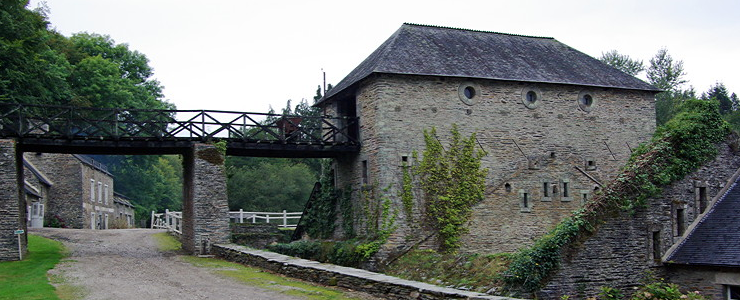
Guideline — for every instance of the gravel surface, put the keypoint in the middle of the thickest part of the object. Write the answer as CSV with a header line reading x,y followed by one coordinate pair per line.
x,y
126,264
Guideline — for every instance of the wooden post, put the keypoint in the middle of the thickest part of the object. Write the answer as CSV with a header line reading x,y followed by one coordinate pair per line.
x,y
241,216
167,219
285,219
151,223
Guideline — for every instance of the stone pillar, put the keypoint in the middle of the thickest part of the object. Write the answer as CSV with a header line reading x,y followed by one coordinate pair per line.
x,y
12,208
205,209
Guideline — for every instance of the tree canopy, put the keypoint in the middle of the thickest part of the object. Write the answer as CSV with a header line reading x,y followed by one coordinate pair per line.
x,y
622,62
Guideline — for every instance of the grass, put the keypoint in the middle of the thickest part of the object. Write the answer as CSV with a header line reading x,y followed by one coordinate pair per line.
x,y
463,271
27,279
266,280
252,276
166,242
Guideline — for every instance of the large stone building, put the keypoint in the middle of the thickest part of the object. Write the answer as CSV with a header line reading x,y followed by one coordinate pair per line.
x,y
555,124
81,196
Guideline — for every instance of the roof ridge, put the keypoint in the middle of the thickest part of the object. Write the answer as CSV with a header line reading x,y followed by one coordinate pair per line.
x,y
482,31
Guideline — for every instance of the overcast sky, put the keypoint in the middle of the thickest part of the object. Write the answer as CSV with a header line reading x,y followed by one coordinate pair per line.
x,y
247,55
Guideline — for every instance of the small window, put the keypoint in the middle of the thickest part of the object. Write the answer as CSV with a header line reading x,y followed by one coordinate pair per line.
x,y
546,189
507,187
590,164
733,292
468,93
584,197
100,192
565,189
525,200
586,101
525,203
680,221
531,97
702,199
656,246
364,172
105,194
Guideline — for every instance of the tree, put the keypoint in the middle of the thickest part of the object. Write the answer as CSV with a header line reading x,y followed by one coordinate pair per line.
x,y
719,93
622,62
664,73
30,71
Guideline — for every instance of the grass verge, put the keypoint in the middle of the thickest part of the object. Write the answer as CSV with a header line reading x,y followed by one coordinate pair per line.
x,y
27,279
266,280
166,242
474,272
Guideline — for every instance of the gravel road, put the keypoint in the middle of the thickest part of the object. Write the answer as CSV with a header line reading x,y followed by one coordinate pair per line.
x,y
126,264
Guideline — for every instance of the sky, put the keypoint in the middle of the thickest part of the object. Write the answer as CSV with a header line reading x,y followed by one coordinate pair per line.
x,y
249,55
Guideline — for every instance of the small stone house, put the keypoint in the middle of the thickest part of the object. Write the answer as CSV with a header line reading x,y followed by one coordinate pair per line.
x,y
82,194
690,236
36,186
123,210
555,124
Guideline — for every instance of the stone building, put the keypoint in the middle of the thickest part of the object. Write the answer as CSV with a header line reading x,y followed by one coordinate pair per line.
x,y
123,211
690,236
36,186
555,124
82,195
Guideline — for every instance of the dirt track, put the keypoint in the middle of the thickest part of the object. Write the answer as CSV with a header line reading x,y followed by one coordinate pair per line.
x,y
126,264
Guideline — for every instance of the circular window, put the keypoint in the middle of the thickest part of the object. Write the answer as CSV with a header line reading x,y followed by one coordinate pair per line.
x,y
531,97
468,93
586,101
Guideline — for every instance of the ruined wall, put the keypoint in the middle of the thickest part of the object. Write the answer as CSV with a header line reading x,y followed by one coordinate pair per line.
x,y
527,145
622,248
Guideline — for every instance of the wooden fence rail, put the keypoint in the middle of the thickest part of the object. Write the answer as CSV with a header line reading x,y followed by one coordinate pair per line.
x,y
172,220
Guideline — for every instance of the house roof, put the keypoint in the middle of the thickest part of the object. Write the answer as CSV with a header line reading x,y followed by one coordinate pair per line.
x,y
93,163
38,174
122,199
442,51
715,240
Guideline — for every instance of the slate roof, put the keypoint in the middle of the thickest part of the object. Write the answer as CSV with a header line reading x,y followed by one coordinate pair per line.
x,y
443,51
715,241
38,174
92,163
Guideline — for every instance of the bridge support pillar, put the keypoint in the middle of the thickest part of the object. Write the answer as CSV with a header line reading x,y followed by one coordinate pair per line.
x,y
12,204
205,207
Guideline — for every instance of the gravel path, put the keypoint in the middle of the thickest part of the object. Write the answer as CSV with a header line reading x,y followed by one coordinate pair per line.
x,y
125,264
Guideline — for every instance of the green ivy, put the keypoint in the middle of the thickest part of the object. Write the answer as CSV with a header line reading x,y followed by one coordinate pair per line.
x,y
452,181
678,148
320,218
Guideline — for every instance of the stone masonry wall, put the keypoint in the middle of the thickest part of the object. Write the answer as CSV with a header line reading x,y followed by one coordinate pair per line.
x,y
205,205
12,209
621,250
528,146
69,190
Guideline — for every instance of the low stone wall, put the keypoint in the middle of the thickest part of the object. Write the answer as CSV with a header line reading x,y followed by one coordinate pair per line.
x,y
387,287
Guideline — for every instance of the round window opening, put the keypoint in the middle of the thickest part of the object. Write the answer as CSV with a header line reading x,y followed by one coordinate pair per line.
x,y
469,92
585,101
531,97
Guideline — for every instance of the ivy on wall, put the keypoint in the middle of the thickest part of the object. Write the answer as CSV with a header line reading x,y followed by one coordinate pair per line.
x,y
677,148
452,181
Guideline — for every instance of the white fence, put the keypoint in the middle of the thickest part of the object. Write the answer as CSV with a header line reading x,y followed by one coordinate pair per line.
x,y
172,220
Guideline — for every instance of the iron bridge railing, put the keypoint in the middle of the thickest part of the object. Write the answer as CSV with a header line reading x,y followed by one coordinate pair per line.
x,y
61,122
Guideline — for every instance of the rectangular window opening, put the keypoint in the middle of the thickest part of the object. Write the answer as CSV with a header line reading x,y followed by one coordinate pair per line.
x,y
702,199
100,192
364,172
525,200
656,246
546,189
733,292
565,190
680,224
92,190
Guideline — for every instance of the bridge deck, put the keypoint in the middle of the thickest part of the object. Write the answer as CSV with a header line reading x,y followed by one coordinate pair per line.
x,y
132,131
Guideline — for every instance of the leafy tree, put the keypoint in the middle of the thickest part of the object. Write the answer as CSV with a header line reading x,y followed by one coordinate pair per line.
x,y
622,62
30,71
664,73
271,185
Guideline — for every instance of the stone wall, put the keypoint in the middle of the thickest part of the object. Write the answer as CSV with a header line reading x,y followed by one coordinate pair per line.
x,y
621,250
380,285
69,190
528,146
709,281
205,206
12,209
